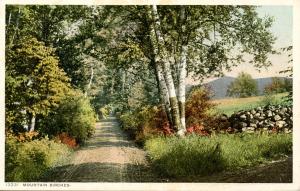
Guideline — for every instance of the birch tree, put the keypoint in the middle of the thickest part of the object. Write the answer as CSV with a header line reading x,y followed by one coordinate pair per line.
x,y
161,58
208,40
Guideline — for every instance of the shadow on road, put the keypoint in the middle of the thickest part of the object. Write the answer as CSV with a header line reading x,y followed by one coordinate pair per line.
x,y
101,172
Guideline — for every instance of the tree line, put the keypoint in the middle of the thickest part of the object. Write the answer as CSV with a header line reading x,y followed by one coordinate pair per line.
x,y
114,54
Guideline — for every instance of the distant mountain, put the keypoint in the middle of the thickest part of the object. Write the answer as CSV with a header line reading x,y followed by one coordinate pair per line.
x,y
220,85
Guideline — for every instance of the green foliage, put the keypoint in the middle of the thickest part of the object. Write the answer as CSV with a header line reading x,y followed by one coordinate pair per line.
x,y
74,116
289,73
243,86
130,121
104,112
270,99
34,82
196,155
27,161
145,123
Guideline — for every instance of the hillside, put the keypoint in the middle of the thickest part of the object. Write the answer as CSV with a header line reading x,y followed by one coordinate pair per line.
x,y
220,85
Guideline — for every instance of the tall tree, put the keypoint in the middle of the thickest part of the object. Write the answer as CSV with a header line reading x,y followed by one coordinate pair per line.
x,y
34,82
243,86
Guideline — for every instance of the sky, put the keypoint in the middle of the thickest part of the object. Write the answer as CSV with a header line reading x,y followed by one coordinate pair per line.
x,y
282,29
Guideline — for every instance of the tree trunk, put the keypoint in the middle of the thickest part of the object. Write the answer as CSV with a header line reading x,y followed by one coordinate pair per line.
x,y
8,23
181,85
112,85
164,93
182,68
123,81
90,82
9,19
32,123
167,74
162,87
17,27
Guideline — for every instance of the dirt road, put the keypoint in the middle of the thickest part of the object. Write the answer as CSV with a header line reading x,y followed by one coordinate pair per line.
x,y
107,157
110,157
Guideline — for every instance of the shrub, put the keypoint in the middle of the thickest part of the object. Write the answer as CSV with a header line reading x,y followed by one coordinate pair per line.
x,y
270,99
65,138
129,121
145,123
196,155
27,136
198,109
75,117
27,161
104,112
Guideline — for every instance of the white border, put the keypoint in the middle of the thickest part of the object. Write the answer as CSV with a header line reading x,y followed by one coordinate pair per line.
x,y
295,186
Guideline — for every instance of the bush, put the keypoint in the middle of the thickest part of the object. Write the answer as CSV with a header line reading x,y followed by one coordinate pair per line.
x,y
75,117
270,99
65,138
197,155
129,121
104,112
27,161
198,109
145,123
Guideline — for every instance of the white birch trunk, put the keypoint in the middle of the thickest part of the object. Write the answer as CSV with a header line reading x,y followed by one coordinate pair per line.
x,y
167,73
163,91
164,94
17,27
182,69
181,85
8,23
112,85
90,82
123,81
32,123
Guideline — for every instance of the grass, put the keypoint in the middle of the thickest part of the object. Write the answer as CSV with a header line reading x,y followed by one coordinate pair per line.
x,y
229,105
195,155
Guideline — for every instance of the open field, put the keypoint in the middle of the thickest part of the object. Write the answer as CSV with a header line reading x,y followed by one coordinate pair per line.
x,y
229,105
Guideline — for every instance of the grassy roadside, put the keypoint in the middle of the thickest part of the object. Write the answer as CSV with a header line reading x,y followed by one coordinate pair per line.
x,y
195,155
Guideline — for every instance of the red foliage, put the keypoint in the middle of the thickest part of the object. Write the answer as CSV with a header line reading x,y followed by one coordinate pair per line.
x,y
230,130
167,130
67,139
275,130
198,129
27,136
160,121
197,106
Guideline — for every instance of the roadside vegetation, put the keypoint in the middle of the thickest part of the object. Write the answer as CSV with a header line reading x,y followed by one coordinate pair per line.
x,y
198,156
68,65
28,156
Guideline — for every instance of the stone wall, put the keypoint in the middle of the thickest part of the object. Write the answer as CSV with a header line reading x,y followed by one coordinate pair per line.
x,y
270,118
